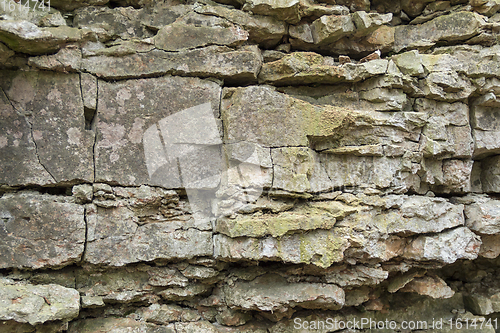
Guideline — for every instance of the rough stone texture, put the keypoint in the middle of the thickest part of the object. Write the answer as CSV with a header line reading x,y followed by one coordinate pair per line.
x,y
328,29
40,231
489,247
108,325
244,166
35,106
490,174
70,5
273,293
264,30
108,24
276,225
37,15
117,237
434,287
356,275
126,110
37,304
294,248
454,27
410,215
197,31
483,215
308,67
447,247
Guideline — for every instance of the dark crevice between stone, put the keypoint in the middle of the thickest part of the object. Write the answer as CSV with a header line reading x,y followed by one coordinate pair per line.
x,y
8,99
93,127
36,150
31,135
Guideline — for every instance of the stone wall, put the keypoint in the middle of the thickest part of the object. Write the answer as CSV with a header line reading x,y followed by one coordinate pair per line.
x,y
249,165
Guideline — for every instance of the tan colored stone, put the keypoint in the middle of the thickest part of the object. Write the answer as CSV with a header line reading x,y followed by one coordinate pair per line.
x,y
432,286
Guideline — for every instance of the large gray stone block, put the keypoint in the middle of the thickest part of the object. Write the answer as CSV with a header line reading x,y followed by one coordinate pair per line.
x,y
43,138
39,231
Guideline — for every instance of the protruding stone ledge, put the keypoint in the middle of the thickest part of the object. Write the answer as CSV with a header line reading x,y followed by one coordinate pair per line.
x,y
37,304
273,293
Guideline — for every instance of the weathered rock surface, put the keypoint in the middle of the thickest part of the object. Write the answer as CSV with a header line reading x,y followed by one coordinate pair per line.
x,y
247,165
489,247
331,132
116,237
213,61
264,30
434,287
26,37
37,14
490,174
287,10
294,248
106,325
454,27
409,215
40,231
356,276
307,67
25,303
66,60
109,24
276,225
20,162
403,308
127,110
483,215
448,246
329,29
35,104
273,293
70,5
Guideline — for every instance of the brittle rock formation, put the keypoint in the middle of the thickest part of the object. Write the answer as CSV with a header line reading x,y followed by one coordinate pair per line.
x,y
249,165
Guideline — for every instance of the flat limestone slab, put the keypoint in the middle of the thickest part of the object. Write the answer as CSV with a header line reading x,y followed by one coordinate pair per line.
x,y
37,231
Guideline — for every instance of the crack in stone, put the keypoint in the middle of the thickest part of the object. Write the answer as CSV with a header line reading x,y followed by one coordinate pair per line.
x,y
31,135
36,150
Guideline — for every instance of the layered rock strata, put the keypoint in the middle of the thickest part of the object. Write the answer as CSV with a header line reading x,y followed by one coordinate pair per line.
x,y
249,166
